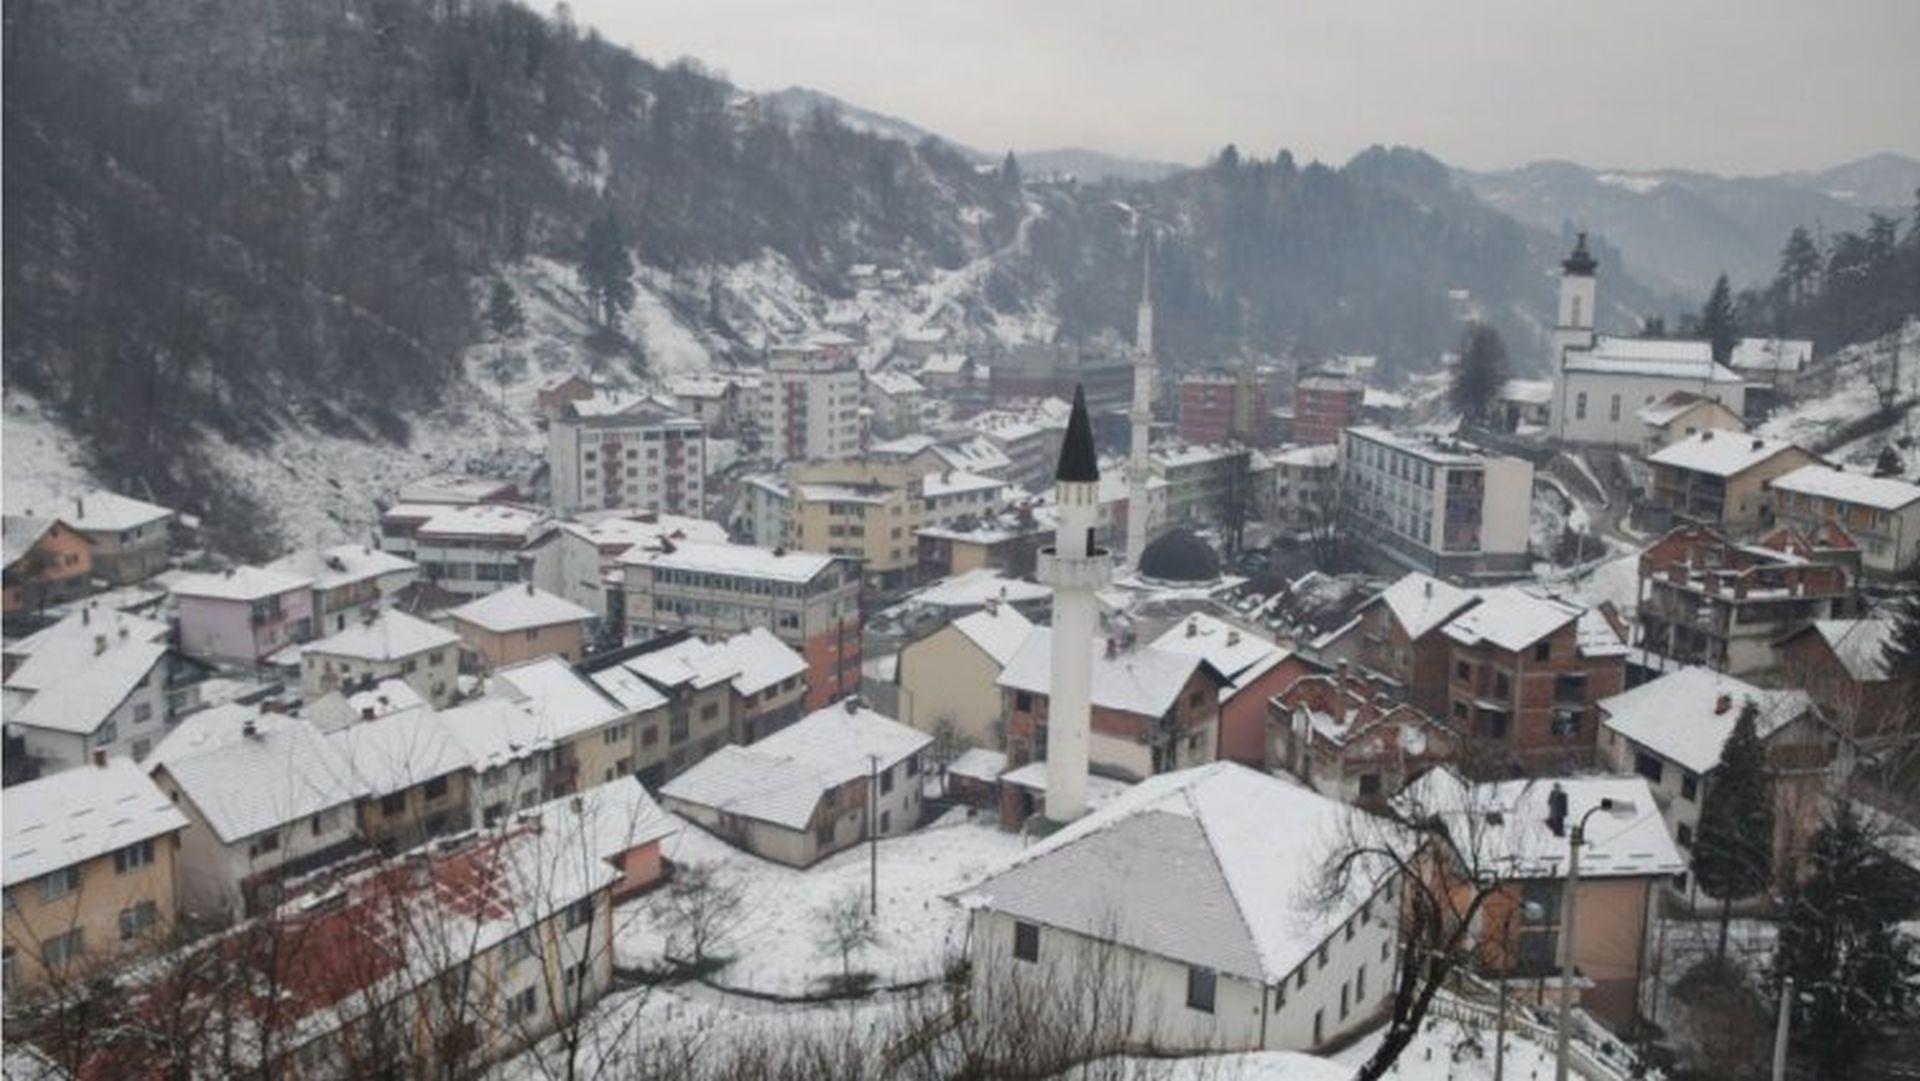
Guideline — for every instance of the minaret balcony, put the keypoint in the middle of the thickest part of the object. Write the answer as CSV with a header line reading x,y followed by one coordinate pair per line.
x,y
1089,573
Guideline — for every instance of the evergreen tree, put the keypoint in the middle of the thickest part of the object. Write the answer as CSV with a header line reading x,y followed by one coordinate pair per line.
x,y
1010,172
1851,968
1481,372
1888,463
1799,264
1901,650
1733,847
1717,322
504,319
606,269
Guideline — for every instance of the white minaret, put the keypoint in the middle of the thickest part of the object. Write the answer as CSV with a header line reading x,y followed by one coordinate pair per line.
x,y
1076,568
1573,325
1141,415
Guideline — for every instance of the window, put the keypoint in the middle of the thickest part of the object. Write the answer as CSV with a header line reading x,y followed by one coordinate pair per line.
x,y
886,781
142,712
1343,1002
393,805
133,857
57,884
520,1007
1360,983
1369,784
517,949
1613,409
1689,787
105,734
1023,702
1683,835
1349,930
1200,985
436,788
1386,949
709,711
1462,671
650,735
1026,941
611,736
1321,958
320,823
1300,978
137,918
1648,766
1579,407
60,949
532,633
265,843
579,914
1543,651
1193,700
1502,686
1319,1016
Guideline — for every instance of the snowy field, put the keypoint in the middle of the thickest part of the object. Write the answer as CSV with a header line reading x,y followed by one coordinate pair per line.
x,y
1845,389
777,944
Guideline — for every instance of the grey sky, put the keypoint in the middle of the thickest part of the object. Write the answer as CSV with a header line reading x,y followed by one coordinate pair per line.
x,y
1726,85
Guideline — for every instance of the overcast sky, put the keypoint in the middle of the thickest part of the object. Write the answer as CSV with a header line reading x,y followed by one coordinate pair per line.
x,y
1726,85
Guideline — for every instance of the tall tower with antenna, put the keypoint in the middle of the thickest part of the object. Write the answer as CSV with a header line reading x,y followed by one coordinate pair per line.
x,y
1140,415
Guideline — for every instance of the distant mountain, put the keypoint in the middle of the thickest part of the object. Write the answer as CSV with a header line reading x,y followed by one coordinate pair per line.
x,y
1678,229
797,103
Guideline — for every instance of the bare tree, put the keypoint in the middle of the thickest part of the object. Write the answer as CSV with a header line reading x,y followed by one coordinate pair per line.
x,y
846,928
701,906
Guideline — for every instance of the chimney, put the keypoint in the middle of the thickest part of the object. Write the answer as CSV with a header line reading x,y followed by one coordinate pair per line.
x,y
86,615
100,757
1557,810
1426,587
1722,704
1233,637
1758,443
992,606
529,589
852,702
79,507
250,728
99,644
1193,628
366,713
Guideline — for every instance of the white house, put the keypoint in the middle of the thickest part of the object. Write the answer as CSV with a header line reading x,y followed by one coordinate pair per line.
x,y
829,780
1191,891
580,560
267,797
380,646
93,684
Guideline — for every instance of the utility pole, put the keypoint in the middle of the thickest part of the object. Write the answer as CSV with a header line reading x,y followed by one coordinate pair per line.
x,y
873,834
1500,1036
1563,1044
1780,1032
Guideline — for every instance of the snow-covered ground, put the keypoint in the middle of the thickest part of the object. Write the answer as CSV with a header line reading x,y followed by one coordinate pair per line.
x,y
1847,387
42,462
777,944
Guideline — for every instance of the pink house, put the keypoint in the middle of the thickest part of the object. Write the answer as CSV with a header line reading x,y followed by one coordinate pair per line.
x,y
244,614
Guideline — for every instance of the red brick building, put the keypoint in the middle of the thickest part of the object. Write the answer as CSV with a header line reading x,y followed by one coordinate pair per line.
x,y
1218,408
1324,405
1256,667
1346,735
1842,664
1525,672
1400,638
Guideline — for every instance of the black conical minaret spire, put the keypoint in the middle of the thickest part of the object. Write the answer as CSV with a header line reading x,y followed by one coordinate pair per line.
x,y
1077,459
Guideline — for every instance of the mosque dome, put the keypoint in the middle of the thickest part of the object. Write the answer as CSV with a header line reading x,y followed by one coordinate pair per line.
x,y
1180,557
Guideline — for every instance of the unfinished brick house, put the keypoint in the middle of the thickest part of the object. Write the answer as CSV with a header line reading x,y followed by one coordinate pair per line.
x,y
1347,736
1400,639
1525,672
1706,600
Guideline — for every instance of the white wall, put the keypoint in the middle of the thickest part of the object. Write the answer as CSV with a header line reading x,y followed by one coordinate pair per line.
x,y
137,723
210,871
1506,510
1635,391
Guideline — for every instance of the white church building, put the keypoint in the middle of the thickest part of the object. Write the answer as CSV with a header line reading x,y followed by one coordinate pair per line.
x,y
1600,382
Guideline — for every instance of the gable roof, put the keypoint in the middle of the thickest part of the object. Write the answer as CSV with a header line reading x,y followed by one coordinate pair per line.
x,y
1188,865
388,636
1507,824
1859,644
569,702
997,631
243,583
1240,655
782,778
55,654
20,532
101,511
1421,602
1771,354
742,559
403,749
1510,618
78,814
1145,681
282,773
1721,454
1676,405
519,608
1880,493
1679,716
342,564
86,698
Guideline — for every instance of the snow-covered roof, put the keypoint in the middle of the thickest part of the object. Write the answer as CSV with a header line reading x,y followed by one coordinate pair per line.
x,y
1530,391
628,688
1771,354
782,778
519,608
971,589
1314,455
19,533
894,383
1719,454
1673,406
342,564
1425,445
84,699
998,631
1880,493
744,560
618,533
1421,602
759,660
1190,866
977,454
1686,715
568,702
101,511
240,584
78,814
1860,645
388,636
944,364
904,447
1657,357
1510,618
957,482
55,654
1145,681
689,661
284,772
1509,831
499,520
445,488
612,818
1240,655
396,752
979,764
498,730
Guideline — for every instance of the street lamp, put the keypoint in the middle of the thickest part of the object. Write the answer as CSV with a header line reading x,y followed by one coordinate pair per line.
x,y
1619,808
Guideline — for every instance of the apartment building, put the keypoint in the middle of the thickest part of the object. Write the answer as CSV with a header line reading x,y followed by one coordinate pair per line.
x,y
89,874
1053,370
895,398
618,449
1222,407
808,600
468,550
1882,514
1433,505
1213,483
242,614
1706,600
349,581
1324,405
1717,479
810,405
